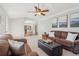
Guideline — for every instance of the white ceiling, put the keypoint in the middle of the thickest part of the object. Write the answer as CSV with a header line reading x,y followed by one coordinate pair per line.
x,y
20,10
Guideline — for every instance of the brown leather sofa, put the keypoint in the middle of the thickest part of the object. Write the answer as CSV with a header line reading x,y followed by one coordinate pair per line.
x,y
7,52
60,37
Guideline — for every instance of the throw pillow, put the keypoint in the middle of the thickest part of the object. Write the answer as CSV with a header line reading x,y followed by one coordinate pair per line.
x,y
4,47
71,37
17,48
51,34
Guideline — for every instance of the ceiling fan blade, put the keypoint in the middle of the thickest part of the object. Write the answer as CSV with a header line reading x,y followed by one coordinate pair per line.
x,y
43,14
39,9
36,8
44,10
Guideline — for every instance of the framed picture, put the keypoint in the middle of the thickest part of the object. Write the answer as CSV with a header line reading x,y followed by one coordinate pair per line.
x,y
55,23
63,21
74,20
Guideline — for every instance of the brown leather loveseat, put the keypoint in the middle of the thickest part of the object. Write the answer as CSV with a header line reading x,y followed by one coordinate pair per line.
x,y
5,49
60,37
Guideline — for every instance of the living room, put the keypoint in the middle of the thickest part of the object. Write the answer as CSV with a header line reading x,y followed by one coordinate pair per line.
x,y
48,22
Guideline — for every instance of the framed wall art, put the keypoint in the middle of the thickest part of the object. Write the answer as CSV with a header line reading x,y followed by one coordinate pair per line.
x,y
74,20
55,23
63,21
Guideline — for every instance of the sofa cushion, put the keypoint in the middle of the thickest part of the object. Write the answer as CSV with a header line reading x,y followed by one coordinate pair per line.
x,y
58,34
71,37
64,35
17,48
6,36
64,42
9,36
4,47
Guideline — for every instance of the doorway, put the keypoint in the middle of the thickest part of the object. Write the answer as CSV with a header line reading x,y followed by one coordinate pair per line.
x,y
30,29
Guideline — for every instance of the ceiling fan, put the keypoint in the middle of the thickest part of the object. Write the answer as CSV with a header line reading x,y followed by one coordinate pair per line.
x,y
38,11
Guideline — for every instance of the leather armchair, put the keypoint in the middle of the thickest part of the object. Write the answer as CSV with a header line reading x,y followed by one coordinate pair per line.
x,y
28,51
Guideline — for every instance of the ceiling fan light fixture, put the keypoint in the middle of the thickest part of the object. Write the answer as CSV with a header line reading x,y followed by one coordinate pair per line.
x,y
39,11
